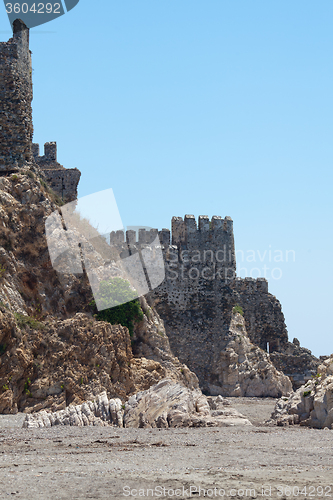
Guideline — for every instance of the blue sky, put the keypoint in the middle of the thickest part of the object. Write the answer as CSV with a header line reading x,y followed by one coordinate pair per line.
x,y
208,108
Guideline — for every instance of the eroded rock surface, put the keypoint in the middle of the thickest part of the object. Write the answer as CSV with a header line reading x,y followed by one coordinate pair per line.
x,y
172,405
311,404
70,361
166,404
243,369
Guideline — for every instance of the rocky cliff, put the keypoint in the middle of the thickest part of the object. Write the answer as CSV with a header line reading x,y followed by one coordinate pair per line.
x,y
52,350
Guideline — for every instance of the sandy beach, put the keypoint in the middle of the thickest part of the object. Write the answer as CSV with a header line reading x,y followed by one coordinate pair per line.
x,y
105,462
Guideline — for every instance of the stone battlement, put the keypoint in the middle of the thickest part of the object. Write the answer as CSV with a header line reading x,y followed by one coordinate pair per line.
x,y
209,242
50,154
187,234
121,238
63,181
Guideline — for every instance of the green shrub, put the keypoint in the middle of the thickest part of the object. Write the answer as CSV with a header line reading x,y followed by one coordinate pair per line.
x,y
306,393
26,386
5,387
23,320
238,309
125,309
2,348
14,178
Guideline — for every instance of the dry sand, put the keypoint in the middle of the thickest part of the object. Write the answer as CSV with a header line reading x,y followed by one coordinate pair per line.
x,y
104,462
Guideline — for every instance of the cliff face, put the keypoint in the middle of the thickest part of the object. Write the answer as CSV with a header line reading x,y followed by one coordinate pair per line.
x,y
55,363
52,350
29,284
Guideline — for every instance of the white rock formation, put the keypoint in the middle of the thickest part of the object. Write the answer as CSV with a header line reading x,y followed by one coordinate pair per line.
x,y
311,404
99,412
244,369
166,404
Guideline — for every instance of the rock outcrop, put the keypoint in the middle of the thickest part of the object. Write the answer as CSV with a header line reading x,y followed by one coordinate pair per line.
x,y
100,412
55,363
311,404
166,404
297,362
52,350
172,405
243,369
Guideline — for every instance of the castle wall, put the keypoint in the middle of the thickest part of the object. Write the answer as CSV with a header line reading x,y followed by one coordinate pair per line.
x,y
196,299
63,181
199,292
16,127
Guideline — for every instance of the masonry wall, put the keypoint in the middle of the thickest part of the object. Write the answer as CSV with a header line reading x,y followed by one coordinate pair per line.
x,y
16,127
63,181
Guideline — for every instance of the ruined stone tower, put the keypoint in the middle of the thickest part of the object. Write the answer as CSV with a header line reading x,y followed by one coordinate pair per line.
x,y
15,97
16,127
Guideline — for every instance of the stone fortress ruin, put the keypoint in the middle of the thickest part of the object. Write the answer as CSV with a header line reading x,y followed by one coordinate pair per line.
x,y
199,292
201,288
16,127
